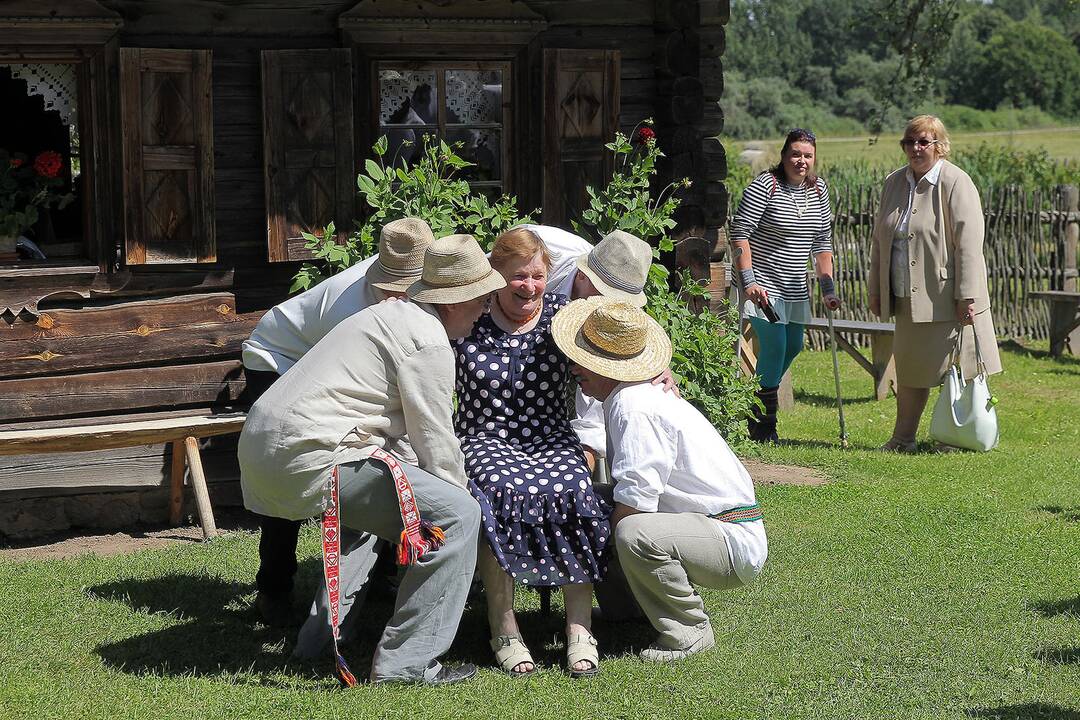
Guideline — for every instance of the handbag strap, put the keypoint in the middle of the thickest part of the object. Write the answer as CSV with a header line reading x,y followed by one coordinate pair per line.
x,y
980,366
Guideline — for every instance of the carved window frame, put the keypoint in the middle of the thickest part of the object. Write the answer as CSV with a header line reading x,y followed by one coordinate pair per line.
x,y
89,42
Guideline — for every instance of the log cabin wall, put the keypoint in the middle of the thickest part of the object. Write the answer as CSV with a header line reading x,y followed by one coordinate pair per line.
x,y
141,338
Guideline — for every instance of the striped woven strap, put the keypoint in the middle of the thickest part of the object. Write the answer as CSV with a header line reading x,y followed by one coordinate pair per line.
x,y
742,514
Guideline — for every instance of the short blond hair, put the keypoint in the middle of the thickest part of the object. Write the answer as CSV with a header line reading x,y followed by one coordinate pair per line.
x,y
518,244
930,124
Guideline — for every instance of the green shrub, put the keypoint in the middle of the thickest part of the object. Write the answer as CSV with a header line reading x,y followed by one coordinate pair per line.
x,y
427,190
704,361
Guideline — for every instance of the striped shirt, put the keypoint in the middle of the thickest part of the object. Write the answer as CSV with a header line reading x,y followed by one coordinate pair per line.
x,y
784,226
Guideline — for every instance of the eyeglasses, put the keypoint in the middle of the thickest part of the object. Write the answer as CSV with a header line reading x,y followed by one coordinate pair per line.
x,y
918,144
801,133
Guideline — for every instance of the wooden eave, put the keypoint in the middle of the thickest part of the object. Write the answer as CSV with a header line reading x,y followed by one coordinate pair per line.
x,y
57,22
491,22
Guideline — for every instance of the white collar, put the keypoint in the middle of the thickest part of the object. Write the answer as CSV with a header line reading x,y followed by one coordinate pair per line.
x,y
931,175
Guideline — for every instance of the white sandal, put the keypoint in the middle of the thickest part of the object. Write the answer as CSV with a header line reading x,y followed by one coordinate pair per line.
x,y
510,651
582,647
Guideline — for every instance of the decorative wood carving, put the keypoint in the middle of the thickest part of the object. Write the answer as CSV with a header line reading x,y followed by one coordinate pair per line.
x,y
56,22
168,156
309,158
581,111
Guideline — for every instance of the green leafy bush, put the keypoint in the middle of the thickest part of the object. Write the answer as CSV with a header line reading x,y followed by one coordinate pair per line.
x,y
704,361
427,190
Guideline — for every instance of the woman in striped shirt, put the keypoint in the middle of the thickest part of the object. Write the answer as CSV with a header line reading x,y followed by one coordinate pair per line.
x,y
783,219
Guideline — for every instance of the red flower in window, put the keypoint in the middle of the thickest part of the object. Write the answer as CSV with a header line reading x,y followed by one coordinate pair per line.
x,y
16,162
646,135
48,164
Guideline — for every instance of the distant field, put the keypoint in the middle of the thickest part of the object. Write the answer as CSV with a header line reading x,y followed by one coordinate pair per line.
x,y
1060,143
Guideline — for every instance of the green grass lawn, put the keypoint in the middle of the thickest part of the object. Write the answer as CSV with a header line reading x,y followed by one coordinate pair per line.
x,y
1059,143
926,586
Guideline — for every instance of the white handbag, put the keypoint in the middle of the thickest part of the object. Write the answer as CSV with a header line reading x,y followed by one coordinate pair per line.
x,y
964,415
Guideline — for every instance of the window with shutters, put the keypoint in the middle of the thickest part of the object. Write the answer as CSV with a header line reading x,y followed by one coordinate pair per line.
x,y
57,70
465,103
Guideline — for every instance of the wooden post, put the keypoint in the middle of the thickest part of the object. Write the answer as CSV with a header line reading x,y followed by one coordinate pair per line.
x,y
1069,202
881,352
198,485
176,487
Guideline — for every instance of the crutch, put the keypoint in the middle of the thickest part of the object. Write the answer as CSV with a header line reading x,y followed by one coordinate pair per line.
x,y
836,378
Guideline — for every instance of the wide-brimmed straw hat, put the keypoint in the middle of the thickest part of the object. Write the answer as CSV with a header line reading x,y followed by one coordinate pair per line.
x,y
618,266
455,270
612,338
402,244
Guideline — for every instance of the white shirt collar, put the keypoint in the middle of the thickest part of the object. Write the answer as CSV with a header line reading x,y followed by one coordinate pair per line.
x,y
931,175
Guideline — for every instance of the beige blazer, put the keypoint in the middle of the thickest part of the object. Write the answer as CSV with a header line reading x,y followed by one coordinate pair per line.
x,y
945,235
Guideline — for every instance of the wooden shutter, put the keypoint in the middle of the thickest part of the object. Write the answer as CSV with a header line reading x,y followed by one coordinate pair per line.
x,y
168,156
581,113
310,165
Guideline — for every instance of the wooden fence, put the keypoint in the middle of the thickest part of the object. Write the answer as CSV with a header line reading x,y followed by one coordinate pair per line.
x,y
1030,245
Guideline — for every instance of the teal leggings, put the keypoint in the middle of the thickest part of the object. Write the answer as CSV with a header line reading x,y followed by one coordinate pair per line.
x,y
779,346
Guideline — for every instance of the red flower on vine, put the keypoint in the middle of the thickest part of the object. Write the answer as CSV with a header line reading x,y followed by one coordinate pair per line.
x,y
48,164
646,135
16,162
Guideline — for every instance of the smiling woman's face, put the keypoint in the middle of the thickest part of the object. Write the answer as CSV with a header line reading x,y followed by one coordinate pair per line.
x,y
525,283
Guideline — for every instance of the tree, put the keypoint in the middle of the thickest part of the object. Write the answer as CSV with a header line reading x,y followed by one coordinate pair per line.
x,y
1026,64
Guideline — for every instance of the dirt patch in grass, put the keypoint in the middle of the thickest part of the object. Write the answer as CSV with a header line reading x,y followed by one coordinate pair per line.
x,y
71,544
768,474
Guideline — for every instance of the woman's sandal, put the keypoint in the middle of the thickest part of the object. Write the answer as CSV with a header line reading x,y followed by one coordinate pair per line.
x,y
510,651
582,647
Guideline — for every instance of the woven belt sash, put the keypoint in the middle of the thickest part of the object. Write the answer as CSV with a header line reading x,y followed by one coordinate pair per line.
x,y
417,537
741,514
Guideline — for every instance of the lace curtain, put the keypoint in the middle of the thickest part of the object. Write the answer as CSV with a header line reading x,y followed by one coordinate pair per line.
x,y
56,83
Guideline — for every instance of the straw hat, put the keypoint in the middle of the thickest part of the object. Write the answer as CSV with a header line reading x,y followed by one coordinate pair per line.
x,y
618,266
455,270
401,254
612,338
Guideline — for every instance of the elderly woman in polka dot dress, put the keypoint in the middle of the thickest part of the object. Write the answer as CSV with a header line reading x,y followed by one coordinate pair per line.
x,y
542,523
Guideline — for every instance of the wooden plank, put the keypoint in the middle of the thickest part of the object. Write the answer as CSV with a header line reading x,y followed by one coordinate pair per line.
x,y
116,469
117,390
198,485
125,335
117,435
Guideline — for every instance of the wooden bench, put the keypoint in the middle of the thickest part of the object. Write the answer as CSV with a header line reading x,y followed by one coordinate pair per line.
x,y
881,365
182,429
120,376
1064,319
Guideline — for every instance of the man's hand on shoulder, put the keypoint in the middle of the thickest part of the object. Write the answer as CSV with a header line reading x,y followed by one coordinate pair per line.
x,y
668,381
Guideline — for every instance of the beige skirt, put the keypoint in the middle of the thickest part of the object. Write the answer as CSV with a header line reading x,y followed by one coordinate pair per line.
x,y
923,351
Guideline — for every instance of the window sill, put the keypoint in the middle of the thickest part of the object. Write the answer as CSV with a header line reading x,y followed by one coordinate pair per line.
x,y
38,270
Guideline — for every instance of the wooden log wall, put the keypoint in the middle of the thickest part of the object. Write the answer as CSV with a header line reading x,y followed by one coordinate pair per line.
x,y
84,343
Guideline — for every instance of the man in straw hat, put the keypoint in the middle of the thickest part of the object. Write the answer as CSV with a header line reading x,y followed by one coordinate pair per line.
x,y
360,430
685,510
283,336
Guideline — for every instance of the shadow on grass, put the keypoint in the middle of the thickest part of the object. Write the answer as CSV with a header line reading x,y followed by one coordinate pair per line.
x,y
1069,514
828,401
1068,361
216,632
1053,608
823,444
1025,711
1059,656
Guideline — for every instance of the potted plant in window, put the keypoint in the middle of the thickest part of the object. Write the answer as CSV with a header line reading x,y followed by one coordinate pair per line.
x,y
24,188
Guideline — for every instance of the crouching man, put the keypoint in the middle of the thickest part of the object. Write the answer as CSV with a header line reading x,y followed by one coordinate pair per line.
x,y
685,510
368,411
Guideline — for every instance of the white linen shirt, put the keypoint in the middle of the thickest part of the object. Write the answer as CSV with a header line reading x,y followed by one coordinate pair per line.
x,y
383,378
565,248
290,329
900,272
666,457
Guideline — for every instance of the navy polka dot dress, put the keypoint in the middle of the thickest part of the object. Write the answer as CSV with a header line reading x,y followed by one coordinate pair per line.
x,y
525,465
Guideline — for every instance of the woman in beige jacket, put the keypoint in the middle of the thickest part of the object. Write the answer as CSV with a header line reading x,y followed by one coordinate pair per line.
x,y
927,269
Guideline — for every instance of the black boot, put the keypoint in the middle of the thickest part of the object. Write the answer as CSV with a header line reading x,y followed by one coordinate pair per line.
x,y
763,424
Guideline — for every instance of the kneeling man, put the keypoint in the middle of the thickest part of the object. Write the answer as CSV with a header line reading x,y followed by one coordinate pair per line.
x,y
685,510
368,409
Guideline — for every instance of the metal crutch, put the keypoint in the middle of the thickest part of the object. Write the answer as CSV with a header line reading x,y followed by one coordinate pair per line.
x,y
836,378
